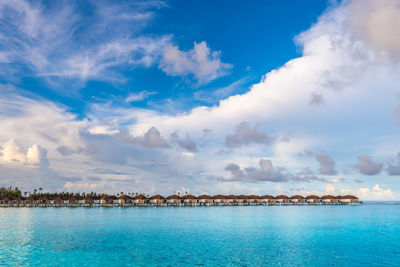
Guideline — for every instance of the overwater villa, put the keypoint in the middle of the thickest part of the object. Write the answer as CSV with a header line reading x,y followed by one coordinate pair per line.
x,y
229,199
43,202
218,199
5,202
205,200
267,199
282,199
313,199
189,199
297,199
173,200
124,200
348,199
30,201
57,202
140,200
157,200
328,199
252,199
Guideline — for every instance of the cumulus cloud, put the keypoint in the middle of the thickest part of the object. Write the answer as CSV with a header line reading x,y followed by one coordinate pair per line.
x,y
37,155
12,152
367,166
150,139
393,165
377,22
266,173
376,193
245,135
334,65
186,142
200,62
326,164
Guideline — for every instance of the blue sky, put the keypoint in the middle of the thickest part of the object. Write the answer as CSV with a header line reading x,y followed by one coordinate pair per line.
x,y
206,96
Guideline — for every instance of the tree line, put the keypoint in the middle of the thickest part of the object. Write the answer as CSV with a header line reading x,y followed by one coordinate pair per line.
x,y
15,192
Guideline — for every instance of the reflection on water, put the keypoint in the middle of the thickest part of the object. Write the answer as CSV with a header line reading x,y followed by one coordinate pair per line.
x,y
224,236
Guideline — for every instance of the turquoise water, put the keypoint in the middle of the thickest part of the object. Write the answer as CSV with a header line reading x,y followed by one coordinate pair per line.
x,y
212,236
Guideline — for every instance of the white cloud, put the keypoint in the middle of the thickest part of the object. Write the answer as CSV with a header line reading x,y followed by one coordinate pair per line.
x,y
12,152
48,40
103,130
344,71
200,62
37,155
135,97
376,193
377,22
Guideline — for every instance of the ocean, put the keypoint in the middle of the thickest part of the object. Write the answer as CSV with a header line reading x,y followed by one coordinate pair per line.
x,y
363,235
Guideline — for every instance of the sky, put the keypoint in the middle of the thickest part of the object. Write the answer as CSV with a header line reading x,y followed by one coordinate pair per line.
x,y
232,97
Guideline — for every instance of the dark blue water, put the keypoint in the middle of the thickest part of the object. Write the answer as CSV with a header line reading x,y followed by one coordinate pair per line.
x,y
212,236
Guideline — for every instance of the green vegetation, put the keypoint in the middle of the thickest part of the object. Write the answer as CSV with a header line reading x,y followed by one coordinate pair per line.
x,y
10,192
15,192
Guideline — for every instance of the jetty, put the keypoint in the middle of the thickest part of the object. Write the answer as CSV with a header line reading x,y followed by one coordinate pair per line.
x,y
174,200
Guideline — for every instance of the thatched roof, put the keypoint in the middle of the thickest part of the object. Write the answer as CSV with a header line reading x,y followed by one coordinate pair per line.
x,y
314,197
173,197
124,197
231,197
348,197
30,199
140,197
297,197
328,197
242,197
157,197
267,197
253,197
219,197
108,197
204,197
57,198
281,197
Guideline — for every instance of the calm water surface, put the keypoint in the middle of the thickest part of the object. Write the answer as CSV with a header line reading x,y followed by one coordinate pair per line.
x,y
209,236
